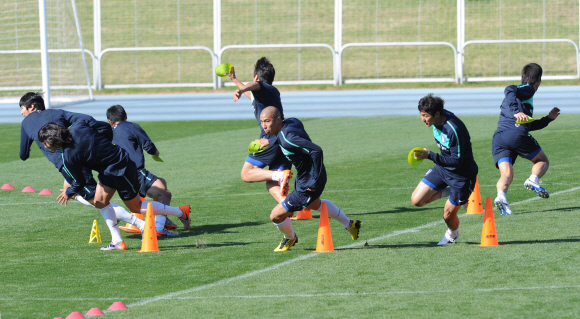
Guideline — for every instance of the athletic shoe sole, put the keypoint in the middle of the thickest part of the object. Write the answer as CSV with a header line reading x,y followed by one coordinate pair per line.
x,y
542,193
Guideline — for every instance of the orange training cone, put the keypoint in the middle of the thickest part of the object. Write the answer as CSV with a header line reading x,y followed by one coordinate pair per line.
x,y
488,233
130,227
306,213
488,205
149,234
118,305
475,206
7,186
324,242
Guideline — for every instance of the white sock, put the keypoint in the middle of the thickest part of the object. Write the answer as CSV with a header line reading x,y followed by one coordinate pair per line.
x,y
286,228
111,219
445,192
161,209
277,175
335,213
84,201
534,178
501,195
454,233
127,217
160,222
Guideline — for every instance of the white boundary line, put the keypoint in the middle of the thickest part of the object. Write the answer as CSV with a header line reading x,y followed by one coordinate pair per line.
x,y
334,294
173,295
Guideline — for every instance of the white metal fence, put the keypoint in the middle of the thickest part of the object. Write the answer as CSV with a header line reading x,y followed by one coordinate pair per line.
x,y
178,43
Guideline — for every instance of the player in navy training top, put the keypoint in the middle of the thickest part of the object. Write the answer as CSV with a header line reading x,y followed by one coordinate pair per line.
x,y
133,139
512,139
83,147
263,94
310,180
36,116
455,171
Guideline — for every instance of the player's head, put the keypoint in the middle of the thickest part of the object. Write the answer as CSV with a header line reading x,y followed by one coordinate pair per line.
x,y
431,109
532,74
31,102
116,113
264,70
271,120
54,136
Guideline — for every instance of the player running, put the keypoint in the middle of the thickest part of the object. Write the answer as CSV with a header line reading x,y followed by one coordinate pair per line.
x,y
310,180
455,169
133,139
263,94
512,139
36,116
82,147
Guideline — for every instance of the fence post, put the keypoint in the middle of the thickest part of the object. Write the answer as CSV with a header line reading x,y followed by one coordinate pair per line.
x,y
217,39
337,61
44,52
460,40
97,41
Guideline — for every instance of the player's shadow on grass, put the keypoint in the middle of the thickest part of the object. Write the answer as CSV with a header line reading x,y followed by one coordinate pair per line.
x,y
395,210
201,244
561,209
537,241
219,228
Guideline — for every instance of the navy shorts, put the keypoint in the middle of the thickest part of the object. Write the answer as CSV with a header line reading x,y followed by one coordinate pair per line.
x,y
146,180
272,156
127,186
507,145
461,187
88,191
297,200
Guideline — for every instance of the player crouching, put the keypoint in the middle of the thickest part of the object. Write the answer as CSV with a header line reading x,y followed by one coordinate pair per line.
x,y
311,176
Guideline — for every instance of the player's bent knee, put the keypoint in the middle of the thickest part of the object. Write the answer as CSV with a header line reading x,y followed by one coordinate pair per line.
x,y
418,202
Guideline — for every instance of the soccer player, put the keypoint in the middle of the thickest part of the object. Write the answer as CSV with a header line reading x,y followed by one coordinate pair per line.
x,y
82,147
36,116
263,94
310,180
133,139
512,139
455,169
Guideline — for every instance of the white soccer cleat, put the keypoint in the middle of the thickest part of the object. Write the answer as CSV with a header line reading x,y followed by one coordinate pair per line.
x,y
448,238
542,193
503,206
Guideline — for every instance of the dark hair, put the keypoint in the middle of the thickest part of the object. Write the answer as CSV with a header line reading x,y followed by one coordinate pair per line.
x,y
531,73
264,70
55,135
116,113
431,104
29,99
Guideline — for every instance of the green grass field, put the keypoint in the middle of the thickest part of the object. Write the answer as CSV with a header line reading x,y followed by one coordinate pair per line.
x,y
225,265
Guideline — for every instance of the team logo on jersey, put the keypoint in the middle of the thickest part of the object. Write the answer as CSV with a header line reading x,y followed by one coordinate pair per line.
x,y
517,125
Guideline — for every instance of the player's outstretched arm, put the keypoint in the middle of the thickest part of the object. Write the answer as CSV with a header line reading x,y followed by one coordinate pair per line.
x,y
239,84
245,89
544,121
455,158
144,140
25,143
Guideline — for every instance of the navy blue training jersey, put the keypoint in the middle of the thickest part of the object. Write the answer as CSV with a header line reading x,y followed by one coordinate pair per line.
x,y
36,120
92,150
303,154
453,140
266,96
131,137
519,99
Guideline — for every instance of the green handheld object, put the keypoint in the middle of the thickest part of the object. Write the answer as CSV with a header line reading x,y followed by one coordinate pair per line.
x,y
412,159
223,69
156,158
530,119
255,147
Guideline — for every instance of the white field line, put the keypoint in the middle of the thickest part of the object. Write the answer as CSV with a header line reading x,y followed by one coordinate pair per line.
x,y
334,294
172,295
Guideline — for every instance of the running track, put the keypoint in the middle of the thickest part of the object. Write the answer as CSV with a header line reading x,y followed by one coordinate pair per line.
x,y
220,106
